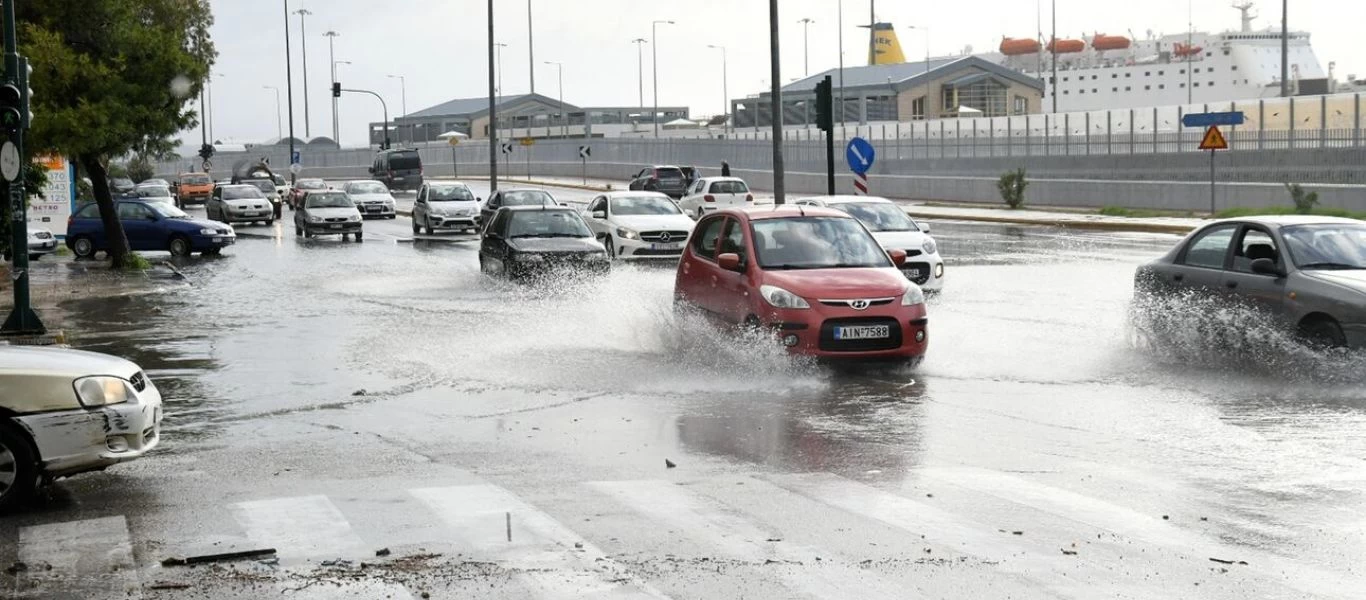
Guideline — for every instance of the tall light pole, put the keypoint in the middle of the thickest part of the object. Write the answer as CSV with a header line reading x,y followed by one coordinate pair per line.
x,y
493,113
926,29
289,89
725,91
776,110
403,90
840,110
640,67
1053,52
564,118
336,105
531,47
499,49
212,112
303,41
654,67
279,129
806,46
332,58
1285,50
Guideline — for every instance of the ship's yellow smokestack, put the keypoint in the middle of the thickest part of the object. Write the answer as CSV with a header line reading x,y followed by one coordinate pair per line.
x,y
886,48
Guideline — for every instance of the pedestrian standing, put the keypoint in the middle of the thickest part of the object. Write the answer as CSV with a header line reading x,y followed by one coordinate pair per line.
x,y
725,169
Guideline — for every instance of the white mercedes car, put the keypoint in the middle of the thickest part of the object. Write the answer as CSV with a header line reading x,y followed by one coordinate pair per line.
x,y
372,199
639,225
64,412
893,229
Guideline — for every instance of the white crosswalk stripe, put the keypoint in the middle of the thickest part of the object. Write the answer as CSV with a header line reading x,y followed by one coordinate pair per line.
x,y
736,538
555,561
299,528
87,559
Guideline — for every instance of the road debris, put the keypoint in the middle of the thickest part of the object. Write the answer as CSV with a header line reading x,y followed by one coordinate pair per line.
x,y
382,552
169,585
17,567
1227,562
668,464
212,558
1069,552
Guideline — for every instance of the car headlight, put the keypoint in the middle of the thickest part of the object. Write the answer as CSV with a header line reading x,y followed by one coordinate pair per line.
x,y
208,232
913,296
529,258
929,246
315,219
781,298
102,390
629,234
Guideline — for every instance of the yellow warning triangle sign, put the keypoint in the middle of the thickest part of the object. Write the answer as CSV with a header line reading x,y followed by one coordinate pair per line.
x,y
1214,139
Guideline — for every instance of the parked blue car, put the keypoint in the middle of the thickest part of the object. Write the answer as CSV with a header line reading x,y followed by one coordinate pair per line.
x,y
149,226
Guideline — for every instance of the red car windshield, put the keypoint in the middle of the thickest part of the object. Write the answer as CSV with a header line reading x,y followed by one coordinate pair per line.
x,y
815,243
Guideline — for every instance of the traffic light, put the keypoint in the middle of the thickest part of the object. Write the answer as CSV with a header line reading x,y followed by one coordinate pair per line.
x,y
11,108
206,151
26,98
825,105
336,89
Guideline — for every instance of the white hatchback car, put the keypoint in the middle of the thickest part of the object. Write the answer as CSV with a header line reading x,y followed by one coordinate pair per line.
x,y
40,242
715,193
893,229
372,199
638,225
64,412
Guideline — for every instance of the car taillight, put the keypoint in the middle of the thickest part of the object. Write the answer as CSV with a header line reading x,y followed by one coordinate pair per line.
x,y
709,198
69,220
749,197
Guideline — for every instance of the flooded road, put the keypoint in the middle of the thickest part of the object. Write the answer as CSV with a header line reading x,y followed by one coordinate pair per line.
x,y
330,399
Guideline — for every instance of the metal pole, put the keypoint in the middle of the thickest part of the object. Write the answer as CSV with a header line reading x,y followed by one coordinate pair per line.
x,y
654,68
840,7
776,110
279,128
1211,183
289,87
806,46
1285,50
455,166
209,86
530,47
640,68
1053,50
332,59
872,32
499,90
303,37
22,320
493,113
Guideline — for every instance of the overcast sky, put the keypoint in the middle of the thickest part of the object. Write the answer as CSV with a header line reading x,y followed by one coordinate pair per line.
x,y
439,46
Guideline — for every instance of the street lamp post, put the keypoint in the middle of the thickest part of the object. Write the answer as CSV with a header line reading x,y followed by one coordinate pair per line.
x,y
289,89
564,118
725,91
499,90
279,128
840,27
1285,50
654,67
530,47
806,46
332,58
493,112
303,41
212,112
776,110
403,94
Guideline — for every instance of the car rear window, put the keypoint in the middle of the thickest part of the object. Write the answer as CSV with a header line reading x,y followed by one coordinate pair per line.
x,y
89,211
729,187
528,198
670,174
404,160
195,179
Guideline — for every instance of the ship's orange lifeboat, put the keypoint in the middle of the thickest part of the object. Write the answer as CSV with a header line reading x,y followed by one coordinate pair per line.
x,y
1184,50
1066,46
1109,42
1016,47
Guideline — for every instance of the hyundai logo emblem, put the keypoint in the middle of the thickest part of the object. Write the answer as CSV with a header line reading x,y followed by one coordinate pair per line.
x,y
665,237
858,304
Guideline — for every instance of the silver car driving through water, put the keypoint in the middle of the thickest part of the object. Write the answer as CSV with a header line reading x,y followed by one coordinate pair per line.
x,y
1304,274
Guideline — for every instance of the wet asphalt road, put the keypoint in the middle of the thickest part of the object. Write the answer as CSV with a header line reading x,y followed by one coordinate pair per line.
x,y
331,399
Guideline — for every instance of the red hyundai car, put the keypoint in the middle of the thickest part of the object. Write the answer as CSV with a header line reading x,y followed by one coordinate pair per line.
x,y
813,275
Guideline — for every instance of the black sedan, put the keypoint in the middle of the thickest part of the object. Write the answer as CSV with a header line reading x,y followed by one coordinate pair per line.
x,y
537,241
1304,275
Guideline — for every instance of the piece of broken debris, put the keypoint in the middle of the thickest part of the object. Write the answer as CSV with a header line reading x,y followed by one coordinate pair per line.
x,y
382,552
668,464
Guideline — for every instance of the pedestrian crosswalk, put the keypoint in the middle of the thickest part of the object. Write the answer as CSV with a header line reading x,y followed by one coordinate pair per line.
x,y
612,539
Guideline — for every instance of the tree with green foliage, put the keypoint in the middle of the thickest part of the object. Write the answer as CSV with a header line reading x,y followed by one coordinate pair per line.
x,y
1304,201
1012,187
113,78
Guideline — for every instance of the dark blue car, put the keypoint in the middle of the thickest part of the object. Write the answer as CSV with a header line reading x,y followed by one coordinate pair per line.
x,y
149,226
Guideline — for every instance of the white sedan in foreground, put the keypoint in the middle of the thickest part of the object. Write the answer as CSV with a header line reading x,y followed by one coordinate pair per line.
x,y
637,225
893,229
64,412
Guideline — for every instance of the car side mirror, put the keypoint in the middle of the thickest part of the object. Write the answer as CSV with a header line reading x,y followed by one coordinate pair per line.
x,y
599,214
478,199
1266,266
924,227
898,256
729,261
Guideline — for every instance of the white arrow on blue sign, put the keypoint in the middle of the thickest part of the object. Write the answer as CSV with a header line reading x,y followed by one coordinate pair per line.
x,y
860,154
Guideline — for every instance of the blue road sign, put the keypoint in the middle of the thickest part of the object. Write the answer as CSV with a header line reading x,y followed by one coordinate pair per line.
x,y
1212,119
294,158
860,155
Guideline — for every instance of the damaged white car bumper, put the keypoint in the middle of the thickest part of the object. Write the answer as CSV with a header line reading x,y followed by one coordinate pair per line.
x,y
89,439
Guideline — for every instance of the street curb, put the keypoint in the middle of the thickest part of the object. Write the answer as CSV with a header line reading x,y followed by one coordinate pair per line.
x,y
1062,223
572,186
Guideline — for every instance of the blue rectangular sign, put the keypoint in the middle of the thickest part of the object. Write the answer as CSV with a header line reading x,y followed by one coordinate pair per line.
x,y
1212,119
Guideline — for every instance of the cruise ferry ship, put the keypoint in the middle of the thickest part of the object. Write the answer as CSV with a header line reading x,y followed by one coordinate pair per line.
x,y
1102,71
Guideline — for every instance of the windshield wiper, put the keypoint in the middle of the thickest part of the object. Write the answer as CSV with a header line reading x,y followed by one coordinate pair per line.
x,y
792,267
1330,265
550,235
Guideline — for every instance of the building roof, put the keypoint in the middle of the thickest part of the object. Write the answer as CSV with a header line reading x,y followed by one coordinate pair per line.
x,y
908,74
472,107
